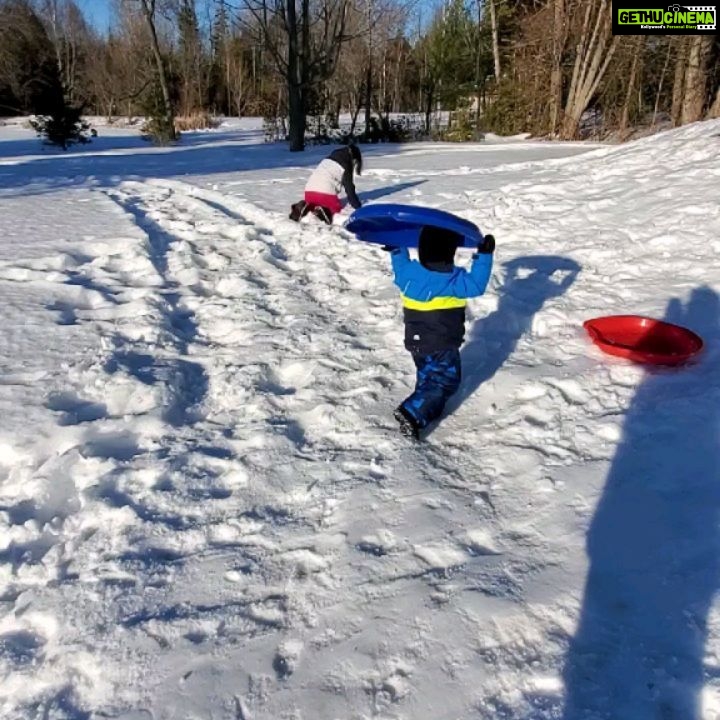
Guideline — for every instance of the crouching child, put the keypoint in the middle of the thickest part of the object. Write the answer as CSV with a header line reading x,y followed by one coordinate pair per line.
x,y
322,189
434,294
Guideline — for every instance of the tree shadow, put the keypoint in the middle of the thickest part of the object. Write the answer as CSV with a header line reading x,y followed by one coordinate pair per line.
x,y
48,172
529,282
36,148
108,161
654,545
368,195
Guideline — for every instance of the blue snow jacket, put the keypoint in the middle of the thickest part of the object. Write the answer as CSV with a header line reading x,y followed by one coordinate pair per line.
x,y
434,299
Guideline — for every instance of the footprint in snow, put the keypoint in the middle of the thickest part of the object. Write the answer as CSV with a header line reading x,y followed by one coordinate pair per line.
x,y
74,410
19,648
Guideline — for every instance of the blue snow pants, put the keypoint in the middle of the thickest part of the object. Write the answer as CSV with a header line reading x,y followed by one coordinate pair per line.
x,y
438,377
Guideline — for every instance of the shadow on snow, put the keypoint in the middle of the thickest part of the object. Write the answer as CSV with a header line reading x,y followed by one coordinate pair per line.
x,y
120,158
186,380
528,283
654,545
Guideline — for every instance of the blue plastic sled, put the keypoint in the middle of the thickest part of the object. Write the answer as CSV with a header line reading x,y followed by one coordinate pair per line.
x,y
400,225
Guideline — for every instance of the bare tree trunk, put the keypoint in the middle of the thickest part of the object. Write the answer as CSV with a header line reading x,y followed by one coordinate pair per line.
x,y
295,89
428,99
399,74
64,40
236,84
52,9
71,53
280,111
369,69
368,92
637,54
556,78
148,7
660,84
384,87
479,82
679,81
478,64
696,79
355,107
580,50
537,116
228,91
591,62
495,41
714,111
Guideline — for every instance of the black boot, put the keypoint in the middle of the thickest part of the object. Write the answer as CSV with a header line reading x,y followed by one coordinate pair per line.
x,y
408,424
323,214
298,210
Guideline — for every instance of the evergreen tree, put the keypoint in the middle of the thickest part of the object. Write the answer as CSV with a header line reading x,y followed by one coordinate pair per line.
x,y
28,68
190,58
452,45
64,127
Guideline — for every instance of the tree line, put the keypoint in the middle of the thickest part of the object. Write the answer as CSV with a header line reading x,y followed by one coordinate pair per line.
x,y
548,67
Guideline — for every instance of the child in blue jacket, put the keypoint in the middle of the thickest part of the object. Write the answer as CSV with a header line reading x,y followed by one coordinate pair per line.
x,y
434,293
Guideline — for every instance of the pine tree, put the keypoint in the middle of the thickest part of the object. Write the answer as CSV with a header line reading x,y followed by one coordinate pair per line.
x,y
452,42
64,127
190,58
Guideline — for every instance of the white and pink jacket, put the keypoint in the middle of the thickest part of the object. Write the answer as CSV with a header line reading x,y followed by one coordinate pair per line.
x,y
329,177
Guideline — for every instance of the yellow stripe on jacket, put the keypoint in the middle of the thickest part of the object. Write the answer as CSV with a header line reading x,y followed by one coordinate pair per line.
x,y
438,303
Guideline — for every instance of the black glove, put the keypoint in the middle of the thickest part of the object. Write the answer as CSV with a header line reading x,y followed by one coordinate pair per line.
x,y
487,246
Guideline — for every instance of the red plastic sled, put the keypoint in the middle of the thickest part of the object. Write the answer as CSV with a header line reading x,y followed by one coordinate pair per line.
x,y
644,339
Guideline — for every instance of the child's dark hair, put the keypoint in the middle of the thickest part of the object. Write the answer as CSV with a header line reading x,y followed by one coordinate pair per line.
x,y
437,245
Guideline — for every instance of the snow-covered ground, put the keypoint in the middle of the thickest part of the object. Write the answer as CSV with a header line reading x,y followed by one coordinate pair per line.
x,y
206,511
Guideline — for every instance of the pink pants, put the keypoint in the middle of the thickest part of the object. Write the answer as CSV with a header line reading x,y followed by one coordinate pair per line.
x,y
317,199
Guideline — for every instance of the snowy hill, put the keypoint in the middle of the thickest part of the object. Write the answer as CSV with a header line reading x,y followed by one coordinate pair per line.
x,y
206,511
